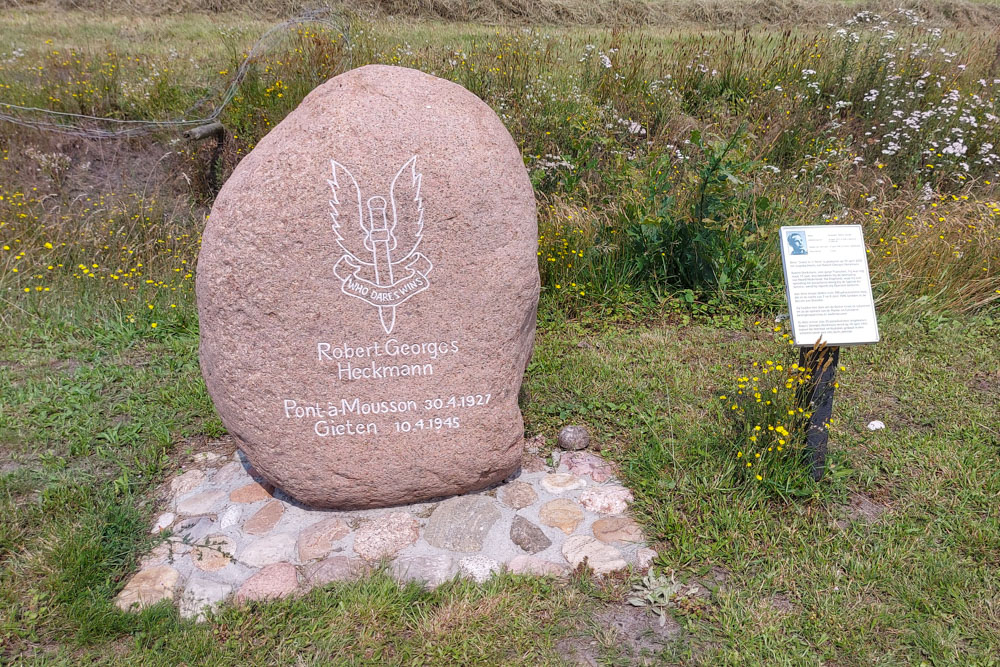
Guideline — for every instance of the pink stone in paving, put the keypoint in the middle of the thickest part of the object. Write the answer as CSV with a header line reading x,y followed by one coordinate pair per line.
x,y
606,499
517,495
585,463
617,529
535,565
265,518
251,493
384,536
561,513
273,581
149,587
214,553
317,540
532,463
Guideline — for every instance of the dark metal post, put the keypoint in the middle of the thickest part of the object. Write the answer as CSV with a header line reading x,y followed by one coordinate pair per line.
x,y
822,364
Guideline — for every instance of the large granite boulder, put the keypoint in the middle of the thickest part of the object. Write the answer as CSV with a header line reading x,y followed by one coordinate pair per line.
x,y
367,289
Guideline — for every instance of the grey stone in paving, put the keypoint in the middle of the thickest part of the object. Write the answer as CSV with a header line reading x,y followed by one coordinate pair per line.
x,y
194,529
461,523
334,568
201,595
430,570
229,473
537,566
528,536
573,438
644,558
201,503
267,550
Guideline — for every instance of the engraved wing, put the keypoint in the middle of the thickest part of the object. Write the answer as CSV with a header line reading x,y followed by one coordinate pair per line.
x,y
347,213
407,210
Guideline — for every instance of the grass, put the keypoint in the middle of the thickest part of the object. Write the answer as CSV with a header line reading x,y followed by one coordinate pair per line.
x,y
95,414
890,559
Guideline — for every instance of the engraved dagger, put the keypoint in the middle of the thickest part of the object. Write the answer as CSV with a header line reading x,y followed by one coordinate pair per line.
x,y
381,241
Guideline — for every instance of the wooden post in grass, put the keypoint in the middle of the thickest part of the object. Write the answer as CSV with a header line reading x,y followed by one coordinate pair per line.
x,y
822,363
830,305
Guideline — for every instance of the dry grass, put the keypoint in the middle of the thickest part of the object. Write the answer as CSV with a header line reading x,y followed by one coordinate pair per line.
x,y
726,13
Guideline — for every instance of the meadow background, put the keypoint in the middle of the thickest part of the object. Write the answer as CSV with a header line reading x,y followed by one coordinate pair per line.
x,y
667,142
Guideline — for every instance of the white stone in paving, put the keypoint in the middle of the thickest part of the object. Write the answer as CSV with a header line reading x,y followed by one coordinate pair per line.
x,y
202,506
562,482
536,566
187,482
206,457
230,516
644,558
430,570
479,567
230,473
163,522
202,595
268,550
600,557
611,499
202,502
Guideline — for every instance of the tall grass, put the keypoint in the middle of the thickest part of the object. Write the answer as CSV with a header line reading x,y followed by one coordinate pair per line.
x,y
663,164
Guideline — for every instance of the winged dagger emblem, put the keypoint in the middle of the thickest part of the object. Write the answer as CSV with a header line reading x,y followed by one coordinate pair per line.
x,y
381,264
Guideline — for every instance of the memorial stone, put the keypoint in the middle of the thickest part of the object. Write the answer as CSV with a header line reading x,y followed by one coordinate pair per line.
x,y
367,288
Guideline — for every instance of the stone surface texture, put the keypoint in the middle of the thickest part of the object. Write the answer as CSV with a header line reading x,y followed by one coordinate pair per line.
x,y
528,536
520,525
617,529
317,540
384,536
461,523
611,499
273,581
600,557
149,587
573,437
561,513
463,213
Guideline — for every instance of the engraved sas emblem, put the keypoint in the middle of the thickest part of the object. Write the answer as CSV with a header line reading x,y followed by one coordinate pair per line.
x,y
380,264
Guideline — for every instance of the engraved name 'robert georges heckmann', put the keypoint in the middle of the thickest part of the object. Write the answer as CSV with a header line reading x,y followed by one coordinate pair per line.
x,y
380,264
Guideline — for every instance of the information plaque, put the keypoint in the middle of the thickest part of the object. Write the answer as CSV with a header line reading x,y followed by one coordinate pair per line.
x,y
827,284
